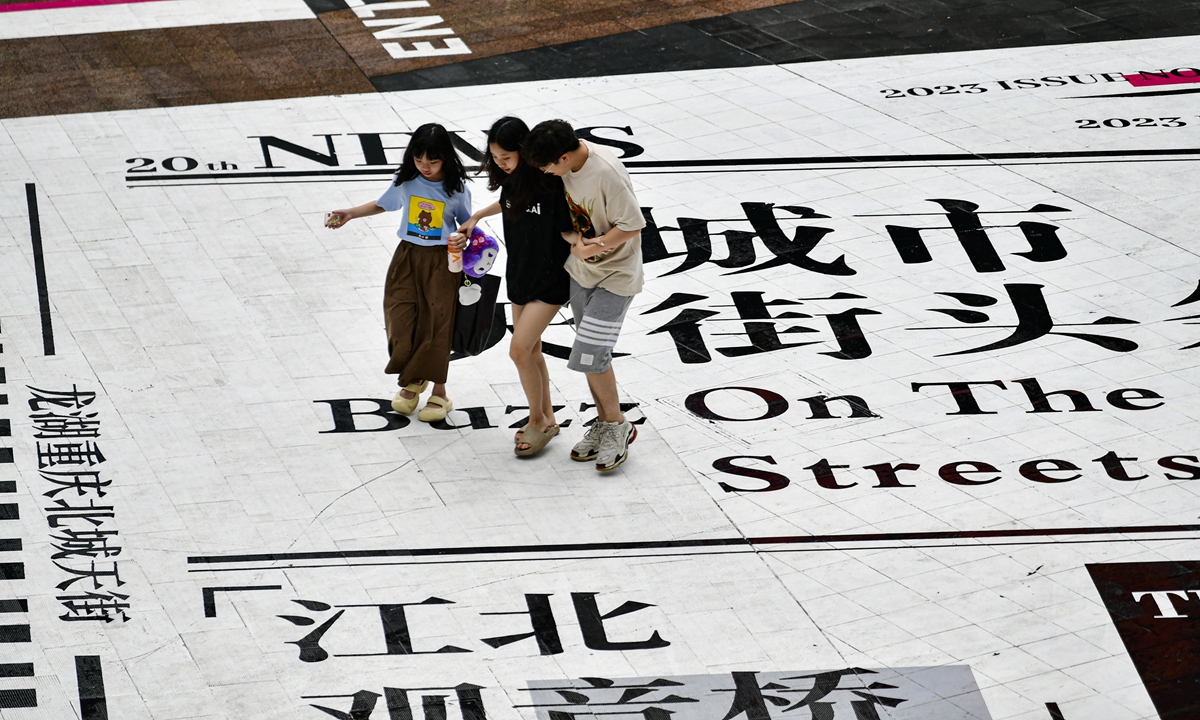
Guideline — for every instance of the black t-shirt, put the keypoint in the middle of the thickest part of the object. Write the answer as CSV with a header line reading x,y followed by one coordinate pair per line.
x,y
536,251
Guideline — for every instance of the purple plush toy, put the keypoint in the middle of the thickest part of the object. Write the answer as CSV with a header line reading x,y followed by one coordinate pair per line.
x,y
480,253
478,257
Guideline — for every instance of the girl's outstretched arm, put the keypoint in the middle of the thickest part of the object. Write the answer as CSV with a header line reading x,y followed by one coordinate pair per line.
x,y
337,218
469,224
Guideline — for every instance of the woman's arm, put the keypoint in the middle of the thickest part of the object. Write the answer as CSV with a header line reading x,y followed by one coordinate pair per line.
x,y
464,230
613,239
606,243
338,218
470,223
585,247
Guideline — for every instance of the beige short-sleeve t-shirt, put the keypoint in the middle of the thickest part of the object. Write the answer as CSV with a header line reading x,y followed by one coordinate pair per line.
x,y
600,195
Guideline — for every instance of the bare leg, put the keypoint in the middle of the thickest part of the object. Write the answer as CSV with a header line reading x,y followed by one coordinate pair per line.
x,y
604,392
439,389
529,322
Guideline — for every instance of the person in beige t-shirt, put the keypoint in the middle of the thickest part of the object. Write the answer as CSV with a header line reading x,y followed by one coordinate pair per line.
x,y
600,196
605,266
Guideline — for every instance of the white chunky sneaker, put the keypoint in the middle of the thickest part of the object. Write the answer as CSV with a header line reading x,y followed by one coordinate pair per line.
x,y
585,450
614,445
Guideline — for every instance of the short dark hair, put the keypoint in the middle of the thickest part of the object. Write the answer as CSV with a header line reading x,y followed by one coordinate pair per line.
x,y
548,141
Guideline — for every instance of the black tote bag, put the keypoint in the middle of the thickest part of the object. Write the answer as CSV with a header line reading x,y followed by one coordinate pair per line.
x,y
480,325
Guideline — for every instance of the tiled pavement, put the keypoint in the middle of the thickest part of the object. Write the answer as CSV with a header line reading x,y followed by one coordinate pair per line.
x,y
950,241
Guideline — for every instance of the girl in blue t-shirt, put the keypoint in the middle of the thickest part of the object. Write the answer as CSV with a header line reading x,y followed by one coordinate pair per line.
x,y
420,290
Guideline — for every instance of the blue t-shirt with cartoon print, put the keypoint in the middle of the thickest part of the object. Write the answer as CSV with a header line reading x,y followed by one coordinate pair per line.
x,y
430,215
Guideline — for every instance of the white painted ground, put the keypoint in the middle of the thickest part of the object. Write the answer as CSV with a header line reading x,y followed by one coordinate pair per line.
x,y
211,317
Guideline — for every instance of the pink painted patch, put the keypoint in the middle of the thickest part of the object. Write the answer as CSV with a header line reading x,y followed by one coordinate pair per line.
x,y
52,4
1177,76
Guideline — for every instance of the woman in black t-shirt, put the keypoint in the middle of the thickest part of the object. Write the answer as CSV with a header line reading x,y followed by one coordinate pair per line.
x,y
535,213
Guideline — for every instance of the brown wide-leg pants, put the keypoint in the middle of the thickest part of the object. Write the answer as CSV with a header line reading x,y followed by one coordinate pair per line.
x,y
418,310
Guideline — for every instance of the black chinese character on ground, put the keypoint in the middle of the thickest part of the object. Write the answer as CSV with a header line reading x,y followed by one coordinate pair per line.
x,y
822,698
592,696
1044,244
73,399
697,237
94,606
399,705
397,636
761,328
93,573
64,453
1190,319
83,482
1033,320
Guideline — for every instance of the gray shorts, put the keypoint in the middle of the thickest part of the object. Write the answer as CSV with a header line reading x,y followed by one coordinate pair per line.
x,y
598,317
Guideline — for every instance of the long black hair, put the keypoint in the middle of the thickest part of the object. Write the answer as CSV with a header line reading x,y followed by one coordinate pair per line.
x,y
525,182
432,141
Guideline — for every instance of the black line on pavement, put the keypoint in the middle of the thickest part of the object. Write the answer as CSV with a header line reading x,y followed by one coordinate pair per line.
x,y
681,555
93,705
182,181
16,670
20,698
686,544
39,268
1152,93
15,634
854,161
209,595
13,606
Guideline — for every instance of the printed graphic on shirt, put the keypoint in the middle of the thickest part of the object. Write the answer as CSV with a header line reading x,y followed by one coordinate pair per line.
x,y
533,209
425,218
581,218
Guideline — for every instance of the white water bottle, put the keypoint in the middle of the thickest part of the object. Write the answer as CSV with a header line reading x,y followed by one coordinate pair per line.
x,y
454,257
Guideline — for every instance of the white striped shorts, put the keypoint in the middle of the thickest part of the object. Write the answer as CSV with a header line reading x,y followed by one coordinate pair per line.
x,y
598,317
